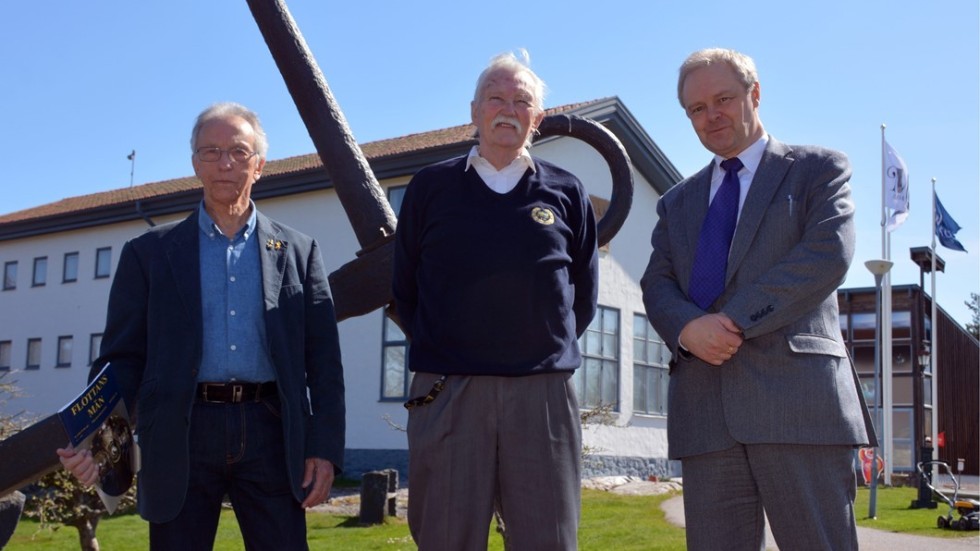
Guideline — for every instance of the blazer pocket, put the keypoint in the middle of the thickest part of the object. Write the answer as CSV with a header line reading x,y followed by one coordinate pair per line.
x,y
816,344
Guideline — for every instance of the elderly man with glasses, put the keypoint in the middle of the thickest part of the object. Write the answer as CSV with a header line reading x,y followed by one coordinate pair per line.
x,y
221,331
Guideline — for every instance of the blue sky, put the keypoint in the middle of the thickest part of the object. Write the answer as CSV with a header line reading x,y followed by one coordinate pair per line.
x,y
84,83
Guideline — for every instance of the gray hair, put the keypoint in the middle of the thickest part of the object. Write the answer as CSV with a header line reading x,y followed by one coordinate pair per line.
x,y
230,109
523,65
742,64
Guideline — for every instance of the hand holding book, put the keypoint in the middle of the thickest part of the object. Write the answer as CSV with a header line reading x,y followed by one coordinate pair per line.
x,y
100,449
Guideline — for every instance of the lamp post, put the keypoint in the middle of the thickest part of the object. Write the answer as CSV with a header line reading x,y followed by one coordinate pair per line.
x,y
924,498
923,394
878,268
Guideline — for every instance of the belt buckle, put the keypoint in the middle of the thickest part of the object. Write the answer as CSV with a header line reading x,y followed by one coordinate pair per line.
x,y
205,394
236,393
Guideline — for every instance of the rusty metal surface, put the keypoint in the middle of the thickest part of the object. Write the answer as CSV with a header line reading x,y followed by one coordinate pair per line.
x,y
29,454
620,168
363,199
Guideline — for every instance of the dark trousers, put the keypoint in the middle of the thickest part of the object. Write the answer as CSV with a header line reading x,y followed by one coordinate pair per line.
x,y
236,450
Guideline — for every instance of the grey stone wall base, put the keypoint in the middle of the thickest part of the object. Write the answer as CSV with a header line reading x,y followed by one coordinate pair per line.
x,y
640,467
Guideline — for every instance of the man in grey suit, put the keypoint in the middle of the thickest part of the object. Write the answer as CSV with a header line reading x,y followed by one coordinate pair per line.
x,y
764,405
222,334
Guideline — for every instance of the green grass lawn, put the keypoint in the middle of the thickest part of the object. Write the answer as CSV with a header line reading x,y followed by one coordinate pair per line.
x,y
894,515
609,521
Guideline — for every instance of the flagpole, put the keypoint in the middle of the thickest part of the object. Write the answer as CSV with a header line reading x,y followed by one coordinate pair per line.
x,y
886,329
883,232
934,333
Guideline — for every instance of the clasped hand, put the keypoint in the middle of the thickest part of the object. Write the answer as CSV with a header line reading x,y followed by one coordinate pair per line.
x,y
713,338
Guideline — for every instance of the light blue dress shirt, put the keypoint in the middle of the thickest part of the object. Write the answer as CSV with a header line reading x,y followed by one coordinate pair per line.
x,y
235,343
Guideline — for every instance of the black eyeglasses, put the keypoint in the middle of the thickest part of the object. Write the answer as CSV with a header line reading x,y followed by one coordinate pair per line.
x,y
213,154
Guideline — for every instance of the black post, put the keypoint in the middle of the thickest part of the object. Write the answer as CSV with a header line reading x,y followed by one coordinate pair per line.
x,y
924,500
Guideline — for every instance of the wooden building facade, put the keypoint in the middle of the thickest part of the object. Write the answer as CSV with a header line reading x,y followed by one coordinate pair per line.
x,y
957,355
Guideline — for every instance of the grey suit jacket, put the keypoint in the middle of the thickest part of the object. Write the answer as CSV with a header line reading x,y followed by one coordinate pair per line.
x,y
792,381
153,338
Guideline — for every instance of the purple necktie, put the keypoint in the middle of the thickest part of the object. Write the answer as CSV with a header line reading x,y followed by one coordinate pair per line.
x,y
711,259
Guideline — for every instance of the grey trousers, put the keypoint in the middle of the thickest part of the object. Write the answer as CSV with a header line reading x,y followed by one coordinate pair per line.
x,y
807,493
510,442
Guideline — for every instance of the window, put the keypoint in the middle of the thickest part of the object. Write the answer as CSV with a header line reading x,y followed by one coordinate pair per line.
x,y
64,351
10,275
863,326
903,429
94,345
70,271
650,370
395,376
103,261
597,381
33,353
40,271
395,196
5,349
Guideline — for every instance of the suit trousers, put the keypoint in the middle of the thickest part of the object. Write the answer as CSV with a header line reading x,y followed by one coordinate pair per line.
x,y
236,450
513,443
806,491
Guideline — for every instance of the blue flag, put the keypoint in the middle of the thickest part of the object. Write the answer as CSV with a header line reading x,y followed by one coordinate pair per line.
x,y
946,228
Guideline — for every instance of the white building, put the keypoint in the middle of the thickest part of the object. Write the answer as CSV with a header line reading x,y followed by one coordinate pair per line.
x,y
59,259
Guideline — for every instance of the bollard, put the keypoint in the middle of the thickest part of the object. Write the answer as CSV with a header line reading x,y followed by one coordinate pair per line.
x,y
392,492
924,499
378,495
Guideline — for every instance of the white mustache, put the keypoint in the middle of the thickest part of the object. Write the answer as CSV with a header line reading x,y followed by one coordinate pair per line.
x,y
504,119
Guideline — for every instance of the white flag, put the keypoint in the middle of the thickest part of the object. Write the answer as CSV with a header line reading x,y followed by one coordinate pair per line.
x,y
896,188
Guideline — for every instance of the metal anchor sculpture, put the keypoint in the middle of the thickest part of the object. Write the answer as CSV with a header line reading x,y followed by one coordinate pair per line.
x,y
364,284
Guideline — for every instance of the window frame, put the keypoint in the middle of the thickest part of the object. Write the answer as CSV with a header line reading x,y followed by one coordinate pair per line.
x,y
9,280
94,347
39,278
386,345
646,370
33,346
98,264
6,355
64,267
396,194
60,351
612,362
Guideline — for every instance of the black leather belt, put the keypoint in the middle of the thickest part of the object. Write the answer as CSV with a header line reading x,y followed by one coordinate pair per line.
x,y
233,393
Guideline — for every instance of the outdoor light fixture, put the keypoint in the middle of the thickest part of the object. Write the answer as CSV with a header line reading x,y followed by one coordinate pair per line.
x,y
924,356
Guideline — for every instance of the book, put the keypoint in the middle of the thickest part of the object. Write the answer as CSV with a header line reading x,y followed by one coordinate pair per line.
x,y
97,419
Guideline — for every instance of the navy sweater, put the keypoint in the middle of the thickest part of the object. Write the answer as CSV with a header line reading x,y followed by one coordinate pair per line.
x,y
495,284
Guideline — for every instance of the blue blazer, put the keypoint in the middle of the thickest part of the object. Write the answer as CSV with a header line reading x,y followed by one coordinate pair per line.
x,y
153,338
792,381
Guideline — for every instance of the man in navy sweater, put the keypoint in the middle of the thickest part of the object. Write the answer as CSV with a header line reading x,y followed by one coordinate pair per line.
x,y
495,278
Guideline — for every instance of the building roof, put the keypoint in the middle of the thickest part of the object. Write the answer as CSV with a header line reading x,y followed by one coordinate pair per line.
x,y
388,158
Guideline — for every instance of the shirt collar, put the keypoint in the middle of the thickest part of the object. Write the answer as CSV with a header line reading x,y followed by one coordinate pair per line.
x,y
751,156
523,160
210,229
